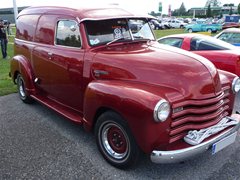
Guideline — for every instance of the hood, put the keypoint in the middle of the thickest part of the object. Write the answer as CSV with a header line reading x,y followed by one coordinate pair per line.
x,y
153,64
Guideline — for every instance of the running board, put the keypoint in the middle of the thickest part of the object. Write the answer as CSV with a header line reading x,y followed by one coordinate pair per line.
x,y
60,109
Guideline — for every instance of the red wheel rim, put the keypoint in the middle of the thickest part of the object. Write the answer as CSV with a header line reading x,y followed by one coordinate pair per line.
x,y
117,140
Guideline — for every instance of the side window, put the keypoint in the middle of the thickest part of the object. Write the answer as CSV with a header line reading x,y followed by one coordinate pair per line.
x,y
45,29
230,37
176,42
205,45
26,26
235,38
225,36
67,33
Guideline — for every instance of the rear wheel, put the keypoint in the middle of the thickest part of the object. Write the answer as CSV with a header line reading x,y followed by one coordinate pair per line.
x,y
22,90
115,140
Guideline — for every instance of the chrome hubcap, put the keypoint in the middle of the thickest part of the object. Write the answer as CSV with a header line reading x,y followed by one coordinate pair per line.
x,y
114,141
21,87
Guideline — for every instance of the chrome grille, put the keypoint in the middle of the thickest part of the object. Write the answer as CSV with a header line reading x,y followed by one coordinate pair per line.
x,y
198,114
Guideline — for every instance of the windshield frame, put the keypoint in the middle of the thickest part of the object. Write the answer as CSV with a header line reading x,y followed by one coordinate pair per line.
x,y
123,40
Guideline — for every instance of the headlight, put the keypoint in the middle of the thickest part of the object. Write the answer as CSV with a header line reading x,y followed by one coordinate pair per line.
x,y
236,84
161,111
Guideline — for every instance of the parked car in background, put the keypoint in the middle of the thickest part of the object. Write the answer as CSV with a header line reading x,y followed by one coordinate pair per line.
x,y
226,25
223,55
174,23
194,20
203,26
187,20
165,24
104,69
232,18
156,24
231,35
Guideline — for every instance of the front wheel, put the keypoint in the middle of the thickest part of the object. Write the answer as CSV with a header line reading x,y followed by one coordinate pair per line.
x,y
166,27
209,30
22,90
190,30
115,140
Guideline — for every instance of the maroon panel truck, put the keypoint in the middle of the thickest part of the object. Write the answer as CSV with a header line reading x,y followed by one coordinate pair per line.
x,y
103,68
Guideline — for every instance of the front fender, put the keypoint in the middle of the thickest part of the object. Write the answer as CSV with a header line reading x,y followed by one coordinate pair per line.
x,y
226,79
20,64
135,103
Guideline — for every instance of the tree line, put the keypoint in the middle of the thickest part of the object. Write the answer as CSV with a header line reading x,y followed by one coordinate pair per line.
x,y
181,11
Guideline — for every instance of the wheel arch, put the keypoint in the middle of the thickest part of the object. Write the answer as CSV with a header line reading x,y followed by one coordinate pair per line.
x,y
135,103
103,96
20,64
101,110
15,76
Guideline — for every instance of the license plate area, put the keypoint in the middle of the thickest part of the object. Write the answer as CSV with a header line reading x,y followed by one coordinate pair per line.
x,y
195,137
218,146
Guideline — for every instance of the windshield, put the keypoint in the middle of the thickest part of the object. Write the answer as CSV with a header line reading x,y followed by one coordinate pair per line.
x,y
105,31
230,37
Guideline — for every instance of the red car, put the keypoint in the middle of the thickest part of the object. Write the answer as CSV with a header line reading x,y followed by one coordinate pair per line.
x,y
230,25
223,55
103,68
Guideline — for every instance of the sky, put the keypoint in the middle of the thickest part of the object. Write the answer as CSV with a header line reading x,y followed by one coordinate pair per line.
x,y
137,6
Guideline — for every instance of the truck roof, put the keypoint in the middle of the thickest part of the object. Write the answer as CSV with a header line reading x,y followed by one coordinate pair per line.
x,y
84,13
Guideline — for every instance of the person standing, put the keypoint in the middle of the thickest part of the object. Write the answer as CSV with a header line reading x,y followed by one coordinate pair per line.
x,y
8,28
3,39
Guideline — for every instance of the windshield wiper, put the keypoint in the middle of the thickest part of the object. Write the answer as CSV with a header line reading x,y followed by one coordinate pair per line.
x,y
142,38
138,37
115,40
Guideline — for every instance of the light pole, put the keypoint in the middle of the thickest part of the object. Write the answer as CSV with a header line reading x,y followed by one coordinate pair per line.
x,y
15,10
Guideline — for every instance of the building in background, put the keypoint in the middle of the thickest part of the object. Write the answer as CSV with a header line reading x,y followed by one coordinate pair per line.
x,y
201,11
8,13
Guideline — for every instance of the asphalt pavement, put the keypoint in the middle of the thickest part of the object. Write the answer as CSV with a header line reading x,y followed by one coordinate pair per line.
x,y
37,143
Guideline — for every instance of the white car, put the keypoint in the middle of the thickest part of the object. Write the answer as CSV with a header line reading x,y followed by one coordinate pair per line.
x,y
174,23
230,35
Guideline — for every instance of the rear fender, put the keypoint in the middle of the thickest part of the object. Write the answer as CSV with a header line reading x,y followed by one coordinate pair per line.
x,y
20,64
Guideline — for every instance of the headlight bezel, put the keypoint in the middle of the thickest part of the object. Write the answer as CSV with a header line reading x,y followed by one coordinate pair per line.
x,y
236,82
160,106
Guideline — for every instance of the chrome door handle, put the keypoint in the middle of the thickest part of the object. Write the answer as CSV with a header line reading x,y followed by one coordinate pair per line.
x,y
50,55
98,73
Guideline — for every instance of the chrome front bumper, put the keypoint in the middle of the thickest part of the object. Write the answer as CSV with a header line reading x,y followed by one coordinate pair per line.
x,y
183,154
